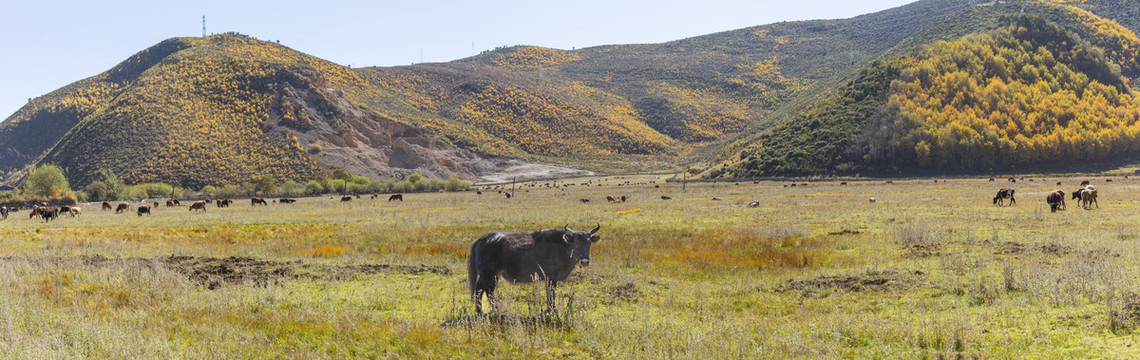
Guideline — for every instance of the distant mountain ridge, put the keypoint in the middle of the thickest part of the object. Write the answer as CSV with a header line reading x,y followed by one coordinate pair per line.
x,y
792,98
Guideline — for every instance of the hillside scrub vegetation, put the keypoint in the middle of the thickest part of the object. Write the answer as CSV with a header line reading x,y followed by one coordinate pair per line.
x,y
1029,93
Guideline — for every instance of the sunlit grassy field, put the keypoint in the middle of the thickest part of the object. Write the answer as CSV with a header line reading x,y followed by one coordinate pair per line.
x,y
929,270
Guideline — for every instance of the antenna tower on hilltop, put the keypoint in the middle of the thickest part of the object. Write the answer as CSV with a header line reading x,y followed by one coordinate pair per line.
x,y
203,26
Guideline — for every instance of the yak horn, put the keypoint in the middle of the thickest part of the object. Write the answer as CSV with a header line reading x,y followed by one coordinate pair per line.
x,y
566,228
596,229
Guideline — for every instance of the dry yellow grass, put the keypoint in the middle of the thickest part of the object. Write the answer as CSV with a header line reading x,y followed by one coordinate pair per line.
x,y
930,270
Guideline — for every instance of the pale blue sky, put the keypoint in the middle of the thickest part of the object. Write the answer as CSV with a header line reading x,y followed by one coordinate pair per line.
x,y
45,45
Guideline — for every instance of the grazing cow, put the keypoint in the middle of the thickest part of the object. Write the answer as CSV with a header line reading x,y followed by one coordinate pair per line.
x,y
843,183
198,205
508,195
663,197
872,200
395,197
122,207
169,203
1003,194
584,200
4,212
1058,183
287,201
715,199
224,202
35,211
143,209
890,182
477,192
1088,197
176,202
257,200
49,214
623,198
991,179
75,211
754,204
346,198
1107,180
106,205
65,209
1056,200
547,255
610,199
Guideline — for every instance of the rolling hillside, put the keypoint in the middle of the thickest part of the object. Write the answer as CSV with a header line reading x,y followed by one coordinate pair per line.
x,y
1042,86
936,85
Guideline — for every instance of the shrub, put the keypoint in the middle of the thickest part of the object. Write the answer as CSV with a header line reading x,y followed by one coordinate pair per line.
x,y
43,179
314,187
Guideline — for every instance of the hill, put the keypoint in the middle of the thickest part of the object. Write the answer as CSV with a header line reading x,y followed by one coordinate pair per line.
x,y
933,86
1042,86
223,109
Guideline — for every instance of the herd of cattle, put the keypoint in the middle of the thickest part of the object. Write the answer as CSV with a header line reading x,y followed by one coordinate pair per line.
x,y
1086,197
48,212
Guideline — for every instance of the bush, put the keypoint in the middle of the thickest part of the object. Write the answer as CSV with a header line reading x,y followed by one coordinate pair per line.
x,y
291,188
45,180
354,188
336,185
314,187
266,185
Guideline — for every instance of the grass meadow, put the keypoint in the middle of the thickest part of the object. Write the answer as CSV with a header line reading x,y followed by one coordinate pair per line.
x,y
929,270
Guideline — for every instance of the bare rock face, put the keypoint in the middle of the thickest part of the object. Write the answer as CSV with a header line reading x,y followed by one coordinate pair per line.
x,y
374,146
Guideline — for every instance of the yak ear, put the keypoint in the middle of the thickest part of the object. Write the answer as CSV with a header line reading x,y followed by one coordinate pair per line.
x,y
567,238
595,238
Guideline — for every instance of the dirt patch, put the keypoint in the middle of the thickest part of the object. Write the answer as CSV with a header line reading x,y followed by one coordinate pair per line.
x,y
923,250
624,293
1013,247
823,286
845,232
215,272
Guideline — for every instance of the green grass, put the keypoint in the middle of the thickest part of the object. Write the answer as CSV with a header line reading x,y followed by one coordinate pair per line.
x,y
929,270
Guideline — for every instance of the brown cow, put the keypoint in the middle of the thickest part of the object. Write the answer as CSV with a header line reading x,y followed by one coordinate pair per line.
x,y
75,211
198,205
106,205
623,198
395,197
345,198
170,203
122,207
1088,197
49,214
143,209
257,200
610,199
1056,200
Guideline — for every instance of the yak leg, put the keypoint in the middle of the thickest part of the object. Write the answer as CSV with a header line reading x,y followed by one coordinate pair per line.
x,y
484,284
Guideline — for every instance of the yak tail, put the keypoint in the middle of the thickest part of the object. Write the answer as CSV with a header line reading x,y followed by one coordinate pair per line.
x,y
472,267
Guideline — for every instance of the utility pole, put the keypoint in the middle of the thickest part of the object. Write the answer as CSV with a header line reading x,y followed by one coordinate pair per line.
x,y
513,181
203,26
684,180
